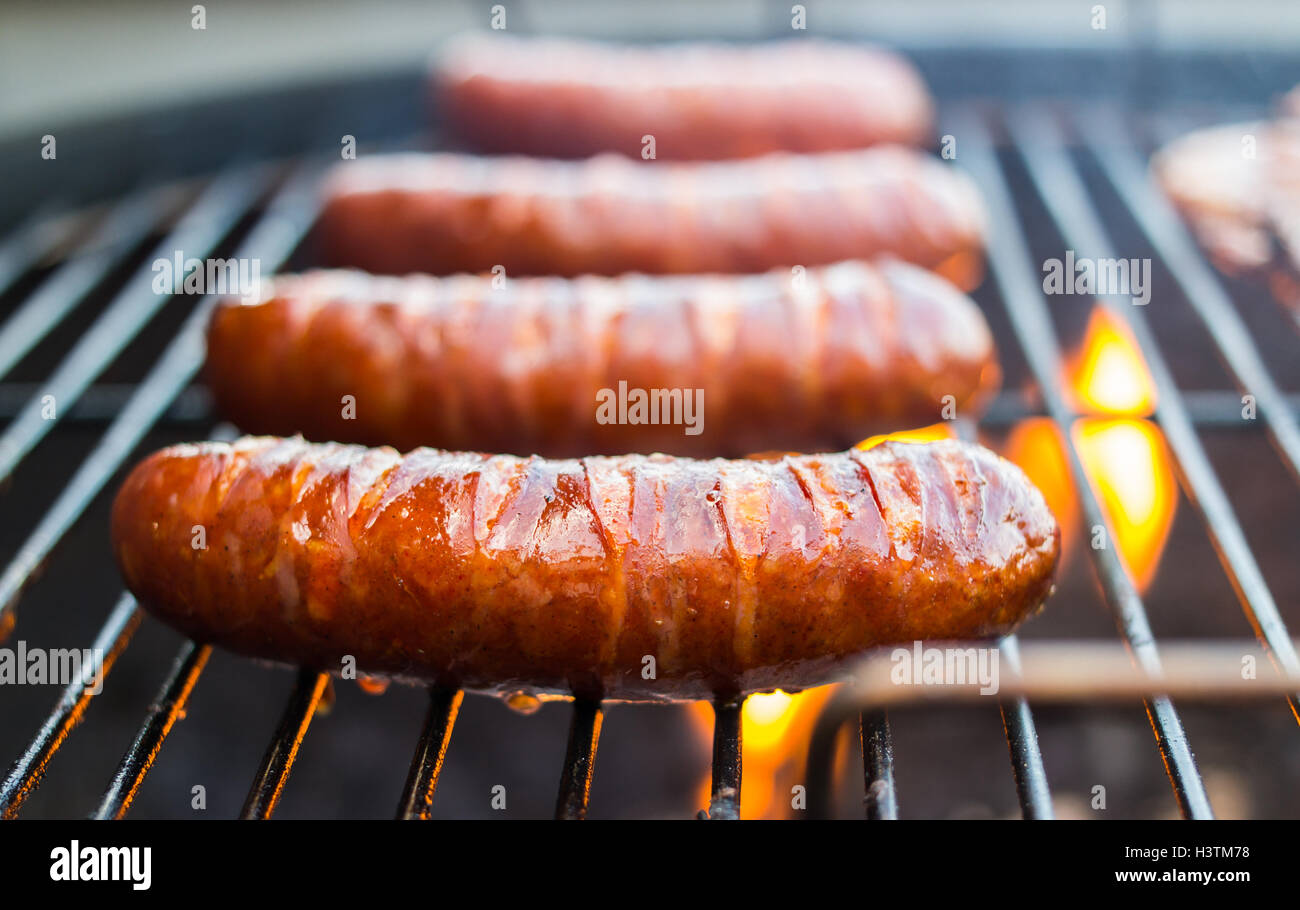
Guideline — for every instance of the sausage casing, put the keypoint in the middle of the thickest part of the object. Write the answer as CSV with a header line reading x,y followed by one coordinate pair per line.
x,y
446,213
569,99
627,577
807,361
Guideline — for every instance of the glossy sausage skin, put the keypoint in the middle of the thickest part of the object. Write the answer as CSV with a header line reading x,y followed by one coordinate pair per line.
x,y
500,573
809,361
561,98
444,213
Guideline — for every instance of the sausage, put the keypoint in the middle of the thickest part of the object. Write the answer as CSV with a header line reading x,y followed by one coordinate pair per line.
x,y
1243,207
446,213
633,577
563,98
1220,192
720,365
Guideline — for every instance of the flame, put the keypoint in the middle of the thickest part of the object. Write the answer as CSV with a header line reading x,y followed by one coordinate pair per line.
x,y
920,434
1124,457
701,716
1038,448
1110,376
1129,467
775,731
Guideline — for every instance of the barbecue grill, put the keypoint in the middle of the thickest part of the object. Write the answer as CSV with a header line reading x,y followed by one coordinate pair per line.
x,y
96,369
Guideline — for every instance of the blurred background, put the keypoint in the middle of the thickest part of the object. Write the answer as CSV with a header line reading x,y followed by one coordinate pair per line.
x,y
69,59
137,96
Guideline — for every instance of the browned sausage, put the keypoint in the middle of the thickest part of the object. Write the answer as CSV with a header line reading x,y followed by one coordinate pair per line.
x,y
569,99
1238,187
497,572
701,365
1221,192
443,214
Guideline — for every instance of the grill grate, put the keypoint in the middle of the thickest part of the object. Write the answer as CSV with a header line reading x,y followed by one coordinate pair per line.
x,y
278,227
278,761
417,796
1012,267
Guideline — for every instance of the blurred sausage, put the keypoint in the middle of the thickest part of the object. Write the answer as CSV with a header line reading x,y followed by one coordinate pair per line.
x,y
443,213
565,98
1238,187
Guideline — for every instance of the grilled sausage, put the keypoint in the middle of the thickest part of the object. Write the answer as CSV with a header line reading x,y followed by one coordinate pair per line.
x,y
501,573
1221,192
721,365
1243,208
444,213
569,99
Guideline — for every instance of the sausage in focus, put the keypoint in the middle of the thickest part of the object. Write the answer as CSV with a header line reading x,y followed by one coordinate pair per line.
x,y
497,572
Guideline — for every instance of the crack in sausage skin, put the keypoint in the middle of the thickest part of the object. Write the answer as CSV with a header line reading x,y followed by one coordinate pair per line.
x,y
444,213
563,98
498,573
813,363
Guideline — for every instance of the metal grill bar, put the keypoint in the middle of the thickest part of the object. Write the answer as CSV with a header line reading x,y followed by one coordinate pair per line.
x,y
1022,742
126,226
1062,190
102,402
280,754
881,800
579,760
225,201
1062,673
1018,721
25,775
274,239
422,779
1205,294
1012,267
724,795
28,244
168,706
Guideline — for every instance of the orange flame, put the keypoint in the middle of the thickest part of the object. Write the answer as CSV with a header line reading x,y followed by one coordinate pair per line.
x,y
1038,448
1125,459
920,434
1110,377
1129,468
775,731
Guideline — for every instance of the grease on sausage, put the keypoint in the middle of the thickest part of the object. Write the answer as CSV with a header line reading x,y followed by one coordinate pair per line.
x,y
812,362
497,572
